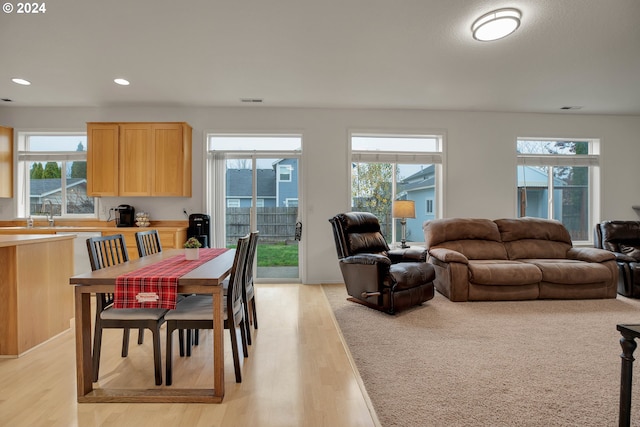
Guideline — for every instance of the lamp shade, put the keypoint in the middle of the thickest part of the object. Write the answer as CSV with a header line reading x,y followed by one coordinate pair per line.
x,y
404,209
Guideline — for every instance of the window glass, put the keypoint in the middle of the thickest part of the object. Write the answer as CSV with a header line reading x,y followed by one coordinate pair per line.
x,y
52,175
558,179
240,142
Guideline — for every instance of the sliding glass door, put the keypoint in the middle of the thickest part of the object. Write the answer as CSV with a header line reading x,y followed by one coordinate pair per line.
x,y
260,192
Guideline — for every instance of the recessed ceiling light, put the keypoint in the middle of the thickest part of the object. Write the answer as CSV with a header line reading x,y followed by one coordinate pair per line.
x,y
21,81
251,100
122,82
496,25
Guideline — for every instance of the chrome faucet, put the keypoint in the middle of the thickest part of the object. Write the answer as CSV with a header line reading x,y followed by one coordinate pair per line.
x,y
50,216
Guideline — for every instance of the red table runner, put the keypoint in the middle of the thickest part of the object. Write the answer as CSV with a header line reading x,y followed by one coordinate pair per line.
x,y
156,285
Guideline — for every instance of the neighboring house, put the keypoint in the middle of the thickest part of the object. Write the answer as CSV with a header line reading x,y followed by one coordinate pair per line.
x,y
50,189
239,188
287,182
419,187
277,186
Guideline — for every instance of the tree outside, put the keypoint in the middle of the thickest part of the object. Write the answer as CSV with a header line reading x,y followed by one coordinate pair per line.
x,y
371,191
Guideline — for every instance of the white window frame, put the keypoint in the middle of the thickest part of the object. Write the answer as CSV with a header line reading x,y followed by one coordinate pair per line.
x,y
590,160
25,156
404,156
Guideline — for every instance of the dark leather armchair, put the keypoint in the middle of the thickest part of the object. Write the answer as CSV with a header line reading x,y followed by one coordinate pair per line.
x,y
380,278
623,239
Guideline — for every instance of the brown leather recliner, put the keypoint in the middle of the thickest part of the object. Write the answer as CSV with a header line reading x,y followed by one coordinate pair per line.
x,y
623,239
380,278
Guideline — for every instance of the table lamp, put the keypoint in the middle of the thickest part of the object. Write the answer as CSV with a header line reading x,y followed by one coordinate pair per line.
x,y
404,209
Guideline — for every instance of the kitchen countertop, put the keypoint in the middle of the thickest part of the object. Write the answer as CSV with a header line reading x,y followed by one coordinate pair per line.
x,y
21,239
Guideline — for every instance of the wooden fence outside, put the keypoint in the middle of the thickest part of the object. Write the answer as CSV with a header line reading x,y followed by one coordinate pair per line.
x,y
276,225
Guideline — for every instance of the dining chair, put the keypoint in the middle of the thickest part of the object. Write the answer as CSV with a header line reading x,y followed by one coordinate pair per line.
x,y
196,312
248,291
107,251
148,242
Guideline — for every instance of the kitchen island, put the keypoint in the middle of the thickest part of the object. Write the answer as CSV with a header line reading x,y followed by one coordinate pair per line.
x,y
36,302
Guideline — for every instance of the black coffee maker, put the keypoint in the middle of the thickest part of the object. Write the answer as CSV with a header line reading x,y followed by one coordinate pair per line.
x,y
200,228
125,216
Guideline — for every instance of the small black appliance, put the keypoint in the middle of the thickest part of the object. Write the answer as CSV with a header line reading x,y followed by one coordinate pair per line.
x,y
200,228
125,216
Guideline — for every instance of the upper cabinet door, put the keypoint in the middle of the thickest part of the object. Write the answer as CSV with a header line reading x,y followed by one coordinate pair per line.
x,y
136,151
171,169
139,159
6,162
102,159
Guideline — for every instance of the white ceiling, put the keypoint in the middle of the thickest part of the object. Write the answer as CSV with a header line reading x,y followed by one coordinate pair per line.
x,y
324,53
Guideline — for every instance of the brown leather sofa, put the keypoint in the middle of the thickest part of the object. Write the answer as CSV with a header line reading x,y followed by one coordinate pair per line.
x,y
374,275
623,239
515,259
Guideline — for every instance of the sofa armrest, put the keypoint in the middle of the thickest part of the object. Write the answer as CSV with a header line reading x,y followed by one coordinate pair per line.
x,y
448,255
408,255
366,259
590,254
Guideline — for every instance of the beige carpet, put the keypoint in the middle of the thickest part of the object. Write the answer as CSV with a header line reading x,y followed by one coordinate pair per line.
x,y
524,363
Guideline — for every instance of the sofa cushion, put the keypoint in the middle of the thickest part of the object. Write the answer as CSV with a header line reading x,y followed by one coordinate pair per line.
x,y
532,228
411,274
531,248
495,272
571,272
534,238
475,238
477,249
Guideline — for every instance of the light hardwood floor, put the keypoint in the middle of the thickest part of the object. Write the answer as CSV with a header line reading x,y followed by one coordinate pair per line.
x,y
297,374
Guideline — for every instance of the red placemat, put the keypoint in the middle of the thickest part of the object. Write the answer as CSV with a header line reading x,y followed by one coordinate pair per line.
x,y
156,285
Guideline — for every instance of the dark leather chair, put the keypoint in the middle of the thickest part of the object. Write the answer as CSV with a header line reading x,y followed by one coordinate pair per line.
x,y
623,239
380,278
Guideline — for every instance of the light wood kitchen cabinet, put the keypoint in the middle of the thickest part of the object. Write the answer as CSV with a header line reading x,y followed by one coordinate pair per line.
x,y
102,159
154,159
6,162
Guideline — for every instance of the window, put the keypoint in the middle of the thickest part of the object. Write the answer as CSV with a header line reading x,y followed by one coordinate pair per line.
x,y
284,173
52,175
397,167
559,179
429,209
233,203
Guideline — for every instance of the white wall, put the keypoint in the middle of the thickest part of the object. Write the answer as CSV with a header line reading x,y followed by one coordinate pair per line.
x,y
480,160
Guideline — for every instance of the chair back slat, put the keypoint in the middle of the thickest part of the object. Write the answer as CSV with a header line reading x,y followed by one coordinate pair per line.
x,y
148,242
235,307
248,270
106,251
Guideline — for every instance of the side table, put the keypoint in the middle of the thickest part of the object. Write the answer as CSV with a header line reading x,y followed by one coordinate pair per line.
x,y
628,344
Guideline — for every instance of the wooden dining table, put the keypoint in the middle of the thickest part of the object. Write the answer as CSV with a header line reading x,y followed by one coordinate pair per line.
x,y
205,279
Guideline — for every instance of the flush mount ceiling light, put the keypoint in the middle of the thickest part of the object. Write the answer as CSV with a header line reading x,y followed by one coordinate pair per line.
x,y
21,81
496,25
121,82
